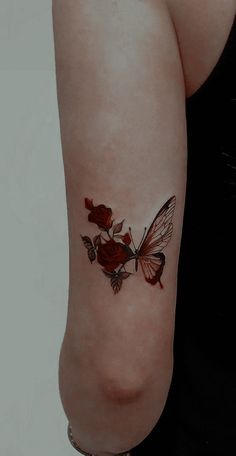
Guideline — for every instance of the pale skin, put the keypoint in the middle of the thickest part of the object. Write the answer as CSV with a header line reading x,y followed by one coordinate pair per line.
x,y
124,69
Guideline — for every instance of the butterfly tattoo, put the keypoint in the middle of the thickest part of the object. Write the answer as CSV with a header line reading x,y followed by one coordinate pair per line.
x,y
113,251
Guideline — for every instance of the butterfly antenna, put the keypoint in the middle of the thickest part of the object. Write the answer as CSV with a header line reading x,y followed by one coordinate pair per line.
x,y
145,229
131,237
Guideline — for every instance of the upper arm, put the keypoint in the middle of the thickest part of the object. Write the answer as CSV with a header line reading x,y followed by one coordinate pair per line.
x,y
121,101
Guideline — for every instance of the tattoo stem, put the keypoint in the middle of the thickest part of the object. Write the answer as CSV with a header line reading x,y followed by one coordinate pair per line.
x,y
123,265
108,234
131,237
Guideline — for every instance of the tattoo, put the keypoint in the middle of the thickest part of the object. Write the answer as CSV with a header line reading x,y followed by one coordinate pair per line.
x,y
113,251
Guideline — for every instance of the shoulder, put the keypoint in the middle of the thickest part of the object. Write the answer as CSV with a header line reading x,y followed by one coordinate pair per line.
x,y
202,28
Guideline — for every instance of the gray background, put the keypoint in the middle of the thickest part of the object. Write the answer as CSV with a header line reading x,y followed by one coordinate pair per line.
x,y
33,241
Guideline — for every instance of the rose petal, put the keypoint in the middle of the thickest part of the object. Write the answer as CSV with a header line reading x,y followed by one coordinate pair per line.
x,y
88,203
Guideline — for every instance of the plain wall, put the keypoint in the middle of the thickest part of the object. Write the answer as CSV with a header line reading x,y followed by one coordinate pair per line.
x,y
34,236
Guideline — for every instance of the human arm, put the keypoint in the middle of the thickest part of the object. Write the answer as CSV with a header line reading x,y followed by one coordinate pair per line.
x,y
121,101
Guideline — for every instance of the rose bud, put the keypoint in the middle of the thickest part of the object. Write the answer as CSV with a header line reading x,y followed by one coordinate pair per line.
x,y
126,239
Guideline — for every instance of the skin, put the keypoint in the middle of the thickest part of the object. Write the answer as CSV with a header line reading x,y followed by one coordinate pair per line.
x,y
123,72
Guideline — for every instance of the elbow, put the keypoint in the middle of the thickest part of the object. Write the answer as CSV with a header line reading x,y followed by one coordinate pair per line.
x,y
122,389
137,401
131,378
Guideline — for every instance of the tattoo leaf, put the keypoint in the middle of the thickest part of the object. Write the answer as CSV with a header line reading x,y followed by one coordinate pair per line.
x,y
92,254
97,240
116,279
118,227
90,248
87,241
116,282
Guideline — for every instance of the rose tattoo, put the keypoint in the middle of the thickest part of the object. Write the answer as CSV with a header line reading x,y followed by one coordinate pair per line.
x,y
112,249
101,215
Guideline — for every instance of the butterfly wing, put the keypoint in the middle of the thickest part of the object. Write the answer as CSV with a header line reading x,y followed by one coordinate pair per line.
x,y
152,267
150,255
160,230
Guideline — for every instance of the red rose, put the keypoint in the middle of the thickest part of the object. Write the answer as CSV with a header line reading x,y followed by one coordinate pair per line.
x,y
112,254
126,239
101,215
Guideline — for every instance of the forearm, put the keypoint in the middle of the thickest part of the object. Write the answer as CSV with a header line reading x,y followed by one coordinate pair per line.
x,y
121,105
